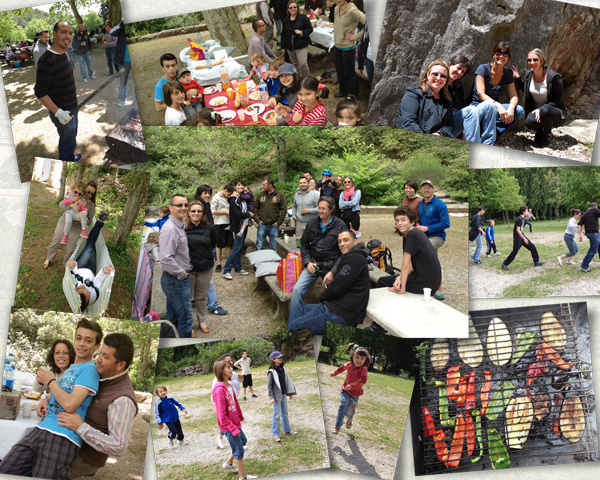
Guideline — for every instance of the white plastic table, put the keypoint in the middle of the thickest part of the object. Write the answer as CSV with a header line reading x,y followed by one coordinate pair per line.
x,y
14,430
323,36
212,76
408,315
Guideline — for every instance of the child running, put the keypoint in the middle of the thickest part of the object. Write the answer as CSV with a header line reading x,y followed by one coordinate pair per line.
x,y
166,413
229,417
490,239
347,112
569,238
280,388
174,94
234,383
356,377
245,363
308,109
76,197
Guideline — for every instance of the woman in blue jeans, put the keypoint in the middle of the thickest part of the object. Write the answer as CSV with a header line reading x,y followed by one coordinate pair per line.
x,y
237,213
569,237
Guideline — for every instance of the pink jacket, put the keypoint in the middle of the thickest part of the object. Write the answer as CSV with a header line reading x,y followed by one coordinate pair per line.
x,y
229,413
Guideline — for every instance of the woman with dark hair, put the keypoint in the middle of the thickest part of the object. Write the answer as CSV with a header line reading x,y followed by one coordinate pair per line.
x,y
75,232
543,100
490,80
203,195
237,212
201,238
295,37
350,205
427,107
569,237
412,199
60,357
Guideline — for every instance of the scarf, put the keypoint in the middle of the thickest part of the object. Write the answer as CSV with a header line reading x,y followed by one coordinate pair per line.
x,y
348,194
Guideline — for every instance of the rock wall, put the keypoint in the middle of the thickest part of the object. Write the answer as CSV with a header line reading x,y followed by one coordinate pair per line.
x,y
416,32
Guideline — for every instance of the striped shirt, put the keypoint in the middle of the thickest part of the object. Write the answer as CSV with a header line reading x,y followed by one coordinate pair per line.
x,y
315,117
54,77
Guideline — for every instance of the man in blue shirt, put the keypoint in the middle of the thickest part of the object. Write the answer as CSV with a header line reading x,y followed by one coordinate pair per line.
x,y
168,62
49,450
433,221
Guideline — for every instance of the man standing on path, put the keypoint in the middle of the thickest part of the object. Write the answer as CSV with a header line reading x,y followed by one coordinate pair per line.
x,y
257,42
269,214
41,46
520,240
589,220
305,206
433,221
55,89
168,63
110,42
220,210
476,233
83,46
175,262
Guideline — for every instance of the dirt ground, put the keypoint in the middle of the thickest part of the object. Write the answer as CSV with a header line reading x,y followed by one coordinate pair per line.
x,y
146,71
34,133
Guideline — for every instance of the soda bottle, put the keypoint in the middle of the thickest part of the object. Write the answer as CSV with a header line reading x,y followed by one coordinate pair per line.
x,y
224,77
8,379
243,92
264,95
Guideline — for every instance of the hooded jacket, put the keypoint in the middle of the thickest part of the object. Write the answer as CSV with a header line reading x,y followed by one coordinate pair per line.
x,y
229,413
275,389
554,85
348,293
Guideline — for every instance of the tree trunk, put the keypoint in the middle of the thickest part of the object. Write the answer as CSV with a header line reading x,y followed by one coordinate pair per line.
x,y
281,160
224,26
78,18
145,356
80,170
63,181
131,209
114,12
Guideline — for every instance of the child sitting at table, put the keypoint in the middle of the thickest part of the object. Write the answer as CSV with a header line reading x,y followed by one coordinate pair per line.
x,y
174,94
207,117
308,109
347,112
193,93
273,76
286,96
260,66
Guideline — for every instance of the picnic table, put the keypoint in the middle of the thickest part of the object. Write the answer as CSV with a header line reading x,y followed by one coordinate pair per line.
x,y
14,430
211,76
409,315
322,34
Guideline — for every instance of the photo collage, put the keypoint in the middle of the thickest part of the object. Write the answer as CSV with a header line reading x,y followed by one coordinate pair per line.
x,y
299,238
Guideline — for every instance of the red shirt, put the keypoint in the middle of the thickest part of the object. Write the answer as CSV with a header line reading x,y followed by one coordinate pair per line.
x,y
315,117
357,376
193,84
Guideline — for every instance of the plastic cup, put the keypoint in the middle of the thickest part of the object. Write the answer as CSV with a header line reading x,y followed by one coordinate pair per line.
x,y
427,294
26,410
230,93
241,114
254,114
219,87
18,382
286,238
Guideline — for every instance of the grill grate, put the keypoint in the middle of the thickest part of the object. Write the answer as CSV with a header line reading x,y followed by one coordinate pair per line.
x,y
492,348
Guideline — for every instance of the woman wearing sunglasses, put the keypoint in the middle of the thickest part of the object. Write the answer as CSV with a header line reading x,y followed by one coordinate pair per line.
x,y
350,204
544,106
428,107
490,81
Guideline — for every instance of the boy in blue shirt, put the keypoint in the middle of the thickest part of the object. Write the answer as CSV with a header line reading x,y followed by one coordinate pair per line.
x,y
166,412
273,80
490,239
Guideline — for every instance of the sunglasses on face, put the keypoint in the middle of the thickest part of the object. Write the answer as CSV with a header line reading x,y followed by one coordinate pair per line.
x,y
179,205
533,60
196,211
77,193
440,75
346,181
501,53
88,192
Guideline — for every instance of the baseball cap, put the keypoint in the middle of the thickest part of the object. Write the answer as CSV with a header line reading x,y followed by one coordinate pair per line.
x,y
275,354
426,181
287,69
182,70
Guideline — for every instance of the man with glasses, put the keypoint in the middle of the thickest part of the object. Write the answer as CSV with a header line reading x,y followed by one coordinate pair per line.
x,y
175,261
257,42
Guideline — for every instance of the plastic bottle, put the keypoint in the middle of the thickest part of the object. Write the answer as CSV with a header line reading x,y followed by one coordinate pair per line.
x,y
208,60
224,77
8,379
243,92
200,41
262,87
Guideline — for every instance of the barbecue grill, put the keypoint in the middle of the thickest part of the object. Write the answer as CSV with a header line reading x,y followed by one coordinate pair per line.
x,y
517,393
126,141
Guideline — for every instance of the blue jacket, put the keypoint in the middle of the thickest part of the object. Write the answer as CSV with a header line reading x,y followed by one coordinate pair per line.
x,y
435,216
353,203
272,86
165,410
489,234
159,223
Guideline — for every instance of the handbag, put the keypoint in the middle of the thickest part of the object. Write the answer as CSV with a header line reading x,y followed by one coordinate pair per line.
x,y
288,271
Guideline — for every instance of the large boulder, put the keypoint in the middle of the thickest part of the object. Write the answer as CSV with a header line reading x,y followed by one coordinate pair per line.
x,y
416,32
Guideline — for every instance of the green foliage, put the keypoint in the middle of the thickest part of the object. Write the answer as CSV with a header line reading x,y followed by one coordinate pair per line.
x,y
35,26
159,24
423,166
91,21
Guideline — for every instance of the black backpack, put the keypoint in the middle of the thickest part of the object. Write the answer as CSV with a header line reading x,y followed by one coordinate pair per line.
x,y
382,256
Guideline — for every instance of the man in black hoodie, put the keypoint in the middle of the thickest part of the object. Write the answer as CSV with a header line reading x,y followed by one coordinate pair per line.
x,y
345,300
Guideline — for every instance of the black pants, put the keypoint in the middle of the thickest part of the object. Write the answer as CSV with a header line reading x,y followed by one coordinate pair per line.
x,y
350,217
490,246
175,430
345,61
517,244
550,117
411,284
87,257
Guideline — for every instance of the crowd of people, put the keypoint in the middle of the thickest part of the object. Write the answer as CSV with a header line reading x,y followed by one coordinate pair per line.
x,y
439,105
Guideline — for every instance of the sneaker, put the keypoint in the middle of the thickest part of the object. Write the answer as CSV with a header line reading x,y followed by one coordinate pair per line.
x,y
77,158
120,104
103,216
84,233
336,430
440,295
110,74
291,432
497,253
85,80
218,269
487,255
170,442
559,261
219,311
231,468
242,272
183,442
349,423
64,239
254,396
245,398
504,266
220,443
477,262
586,270
571,262
277,439
538,264
227,276
546,141
93,77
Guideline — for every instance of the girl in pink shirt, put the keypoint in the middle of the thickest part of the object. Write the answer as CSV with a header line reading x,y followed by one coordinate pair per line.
x,y
308,109
356,377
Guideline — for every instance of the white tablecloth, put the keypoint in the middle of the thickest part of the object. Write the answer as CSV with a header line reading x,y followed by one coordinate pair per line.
x,y
14,430
323,36
408,315
212,76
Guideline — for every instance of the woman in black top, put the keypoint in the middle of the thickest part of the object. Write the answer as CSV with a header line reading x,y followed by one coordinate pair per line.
x,y
202,238
544,105
295,37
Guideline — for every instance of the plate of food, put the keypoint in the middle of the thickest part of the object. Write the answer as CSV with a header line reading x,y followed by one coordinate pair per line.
x,y
271,115
218,101
255,95
257,107
250,85
227,115
210,90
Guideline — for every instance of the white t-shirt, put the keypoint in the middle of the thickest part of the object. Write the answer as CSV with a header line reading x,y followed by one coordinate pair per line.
x,y
245,364
539,92
571,227
173,116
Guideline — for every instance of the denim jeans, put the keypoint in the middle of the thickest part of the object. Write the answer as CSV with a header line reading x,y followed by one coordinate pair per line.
x,y
179,307
347,407
87,257
67,138
527,222
88,61
110,59
594,238
234,260
478,122
123,80
305,280
479,243
278,23
501,126
261,236
213,301
315,317
237,442
280,410
571,245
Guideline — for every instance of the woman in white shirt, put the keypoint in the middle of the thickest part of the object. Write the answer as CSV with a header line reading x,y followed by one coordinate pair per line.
x,y
569,237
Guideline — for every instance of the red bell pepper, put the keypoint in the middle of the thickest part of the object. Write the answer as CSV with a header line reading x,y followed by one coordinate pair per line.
x,y
555,357
462,392
428,421
453,377
470,434
457,442
441,449
485,391
470,398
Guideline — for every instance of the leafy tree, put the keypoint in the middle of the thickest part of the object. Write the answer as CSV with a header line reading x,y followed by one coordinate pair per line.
x,y
34,27
91,21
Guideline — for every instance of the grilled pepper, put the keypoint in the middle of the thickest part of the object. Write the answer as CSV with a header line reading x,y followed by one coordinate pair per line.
x,y
470,398
469,434
499,401
485,391
452,379
461,398
477,415
445,419
457,442
498,454
555,357
428,422
524,342
441,449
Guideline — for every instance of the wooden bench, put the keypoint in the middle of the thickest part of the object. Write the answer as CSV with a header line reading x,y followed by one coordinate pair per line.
x,y
282,300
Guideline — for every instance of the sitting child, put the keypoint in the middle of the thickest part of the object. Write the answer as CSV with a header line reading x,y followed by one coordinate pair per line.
x,y
260,66
309,110
174,95
76,197
273,76
347,112
152,247
163,216
193,93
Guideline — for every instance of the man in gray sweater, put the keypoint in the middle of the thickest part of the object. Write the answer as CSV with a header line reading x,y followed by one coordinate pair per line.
x,y
305,206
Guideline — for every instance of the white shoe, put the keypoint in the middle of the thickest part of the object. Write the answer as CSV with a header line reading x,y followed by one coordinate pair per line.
x,y
487,256
183,442
497,253
93,76
170,442
571,262
242,272
277,439
85,80
559,261
227,276
120,104
231,468
220,443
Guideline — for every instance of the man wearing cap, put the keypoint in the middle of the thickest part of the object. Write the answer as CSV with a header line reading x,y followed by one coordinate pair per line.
x,y
257,42
175,261
433,221
326,184
589,222
269,214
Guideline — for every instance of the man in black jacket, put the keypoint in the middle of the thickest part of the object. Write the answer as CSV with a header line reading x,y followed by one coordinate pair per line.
x,y
589,222
83,47
345,300
320,253
122,60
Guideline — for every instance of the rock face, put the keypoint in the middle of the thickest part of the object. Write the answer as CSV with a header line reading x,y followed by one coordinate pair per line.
x,y
416,32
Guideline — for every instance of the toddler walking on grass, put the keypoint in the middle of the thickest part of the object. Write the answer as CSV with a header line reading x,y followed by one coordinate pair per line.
x,y
356,377
166,413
